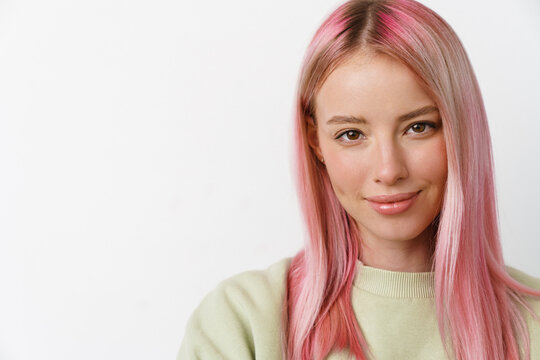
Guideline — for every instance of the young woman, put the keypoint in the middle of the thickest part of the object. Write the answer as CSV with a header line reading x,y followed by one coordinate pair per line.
x,y
395,176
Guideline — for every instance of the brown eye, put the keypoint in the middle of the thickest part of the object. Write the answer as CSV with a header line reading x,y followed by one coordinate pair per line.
x,y
421,128
352,135
418,128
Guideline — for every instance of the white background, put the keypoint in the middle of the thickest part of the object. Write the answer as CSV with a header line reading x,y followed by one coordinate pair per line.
x,y
145,154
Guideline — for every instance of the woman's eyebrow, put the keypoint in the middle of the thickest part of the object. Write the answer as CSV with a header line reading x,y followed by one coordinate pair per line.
x,y
341,119
418,112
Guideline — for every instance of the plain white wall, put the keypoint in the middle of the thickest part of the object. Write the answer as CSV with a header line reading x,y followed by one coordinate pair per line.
x,y
145,156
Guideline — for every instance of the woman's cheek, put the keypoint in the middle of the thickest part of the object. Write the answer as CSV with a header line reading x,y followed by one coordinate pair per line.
x,y
429,161
346,173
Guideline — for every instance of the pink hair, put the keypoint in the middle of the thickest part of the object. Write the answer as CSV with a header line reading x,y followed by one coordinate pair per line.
x,y
477,301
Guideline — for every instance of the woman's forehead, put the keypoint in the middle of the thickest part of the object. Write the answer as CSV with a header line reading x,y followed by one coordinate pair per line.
x,y
370,86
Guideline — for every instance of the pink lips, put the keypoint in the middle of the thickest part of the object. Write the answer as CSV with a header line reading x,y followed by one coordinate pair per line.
x,y
392,204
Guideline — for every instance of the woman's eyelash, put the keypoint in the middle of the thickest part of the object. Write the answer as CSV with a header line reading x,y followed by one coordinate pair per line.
x,y
348,133
423,125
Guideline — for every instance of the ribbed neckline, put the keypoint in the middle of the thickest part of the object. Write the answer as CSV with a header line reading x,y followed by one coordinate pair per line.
x,y
395,284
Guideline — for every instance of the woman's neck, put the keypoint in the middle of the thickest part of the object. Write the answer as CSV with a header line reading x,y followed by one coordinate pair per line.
x,y
413,255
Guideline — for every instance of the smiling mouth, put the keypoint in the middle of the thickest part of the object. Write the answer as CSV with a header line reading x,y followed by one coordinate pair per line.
x,y
392,204
392,198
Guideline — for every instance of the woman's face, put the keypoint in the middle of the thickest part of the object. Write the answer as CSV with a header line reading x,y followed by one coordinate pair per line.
x,y
380,134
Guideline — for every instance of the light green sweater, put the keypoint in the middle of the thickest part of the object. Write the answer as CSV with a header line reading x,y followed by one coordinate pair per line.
x,y
240,319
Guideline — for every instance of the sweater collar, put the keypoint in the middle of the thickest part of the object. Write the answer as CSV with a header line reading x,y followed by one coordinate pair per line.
x,y
395,284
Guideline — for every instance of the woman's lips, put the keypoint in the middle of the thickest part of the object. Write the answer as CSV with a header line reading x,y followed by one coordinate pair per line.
x,y
392,204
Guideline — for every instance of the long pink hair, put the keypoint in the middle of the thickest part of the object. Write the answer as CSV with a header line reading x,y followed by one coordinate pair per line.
x,y
477,301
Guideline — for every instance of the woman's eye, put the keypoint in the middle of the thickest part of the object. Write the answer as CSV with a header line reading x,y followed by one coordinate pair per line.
x,y
350,135
421,127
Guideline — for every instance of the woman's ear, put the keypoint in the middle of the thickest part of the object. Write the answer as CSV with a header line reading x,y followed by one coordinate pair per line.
x,y
313,138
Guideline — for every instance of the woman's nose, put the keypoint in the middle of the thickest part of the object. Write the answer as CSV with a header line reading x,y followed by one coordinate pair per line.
x,y
389,162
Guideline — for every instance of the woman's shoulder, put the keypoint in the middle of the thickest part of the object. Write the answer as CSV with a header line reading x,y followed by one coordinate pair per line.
x,y
253,294
524,278
533,322
529,281
533,301
255,283
240,318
